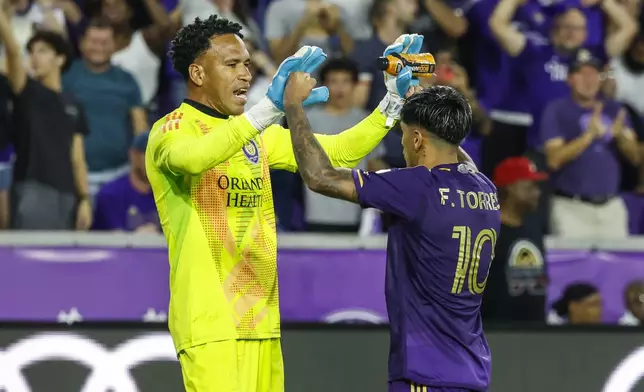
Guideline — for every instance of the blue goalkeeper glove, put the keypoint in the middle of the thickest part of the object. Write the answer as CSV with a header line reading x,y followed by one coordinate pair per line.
x,y
397,86
406,43
307,59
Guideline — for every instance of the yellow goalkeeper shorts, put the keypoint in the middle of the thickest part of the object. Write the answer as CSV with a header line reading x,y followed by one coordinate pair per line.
x,y
234,366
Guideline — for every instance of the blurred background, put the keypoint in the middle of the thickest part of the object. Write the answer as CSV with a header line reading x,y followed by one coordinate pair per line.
x,y
556,87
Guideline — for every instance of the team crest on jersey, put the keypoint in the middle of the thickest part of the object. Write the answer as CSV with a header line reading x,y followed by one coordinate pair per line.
x,y
251,152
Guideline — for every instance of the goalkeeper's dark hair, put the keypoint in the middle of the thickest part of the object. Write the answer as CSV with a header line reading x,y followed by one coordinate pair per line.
x,y
441,111
194,39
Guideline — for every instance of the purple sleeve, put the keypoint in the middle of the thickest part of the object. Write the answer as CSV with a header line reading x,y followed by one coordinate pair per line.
x,y
550,127
390,191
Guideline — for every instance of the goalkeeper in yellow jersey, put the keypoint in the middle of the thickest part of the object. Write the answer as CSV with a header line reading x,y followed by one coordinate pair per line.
x,y
208,163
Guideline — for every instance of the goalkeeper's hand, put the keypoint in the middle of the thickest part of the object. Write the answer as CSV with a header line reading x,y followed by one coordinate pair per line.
x,y
397,86
307,59
270,109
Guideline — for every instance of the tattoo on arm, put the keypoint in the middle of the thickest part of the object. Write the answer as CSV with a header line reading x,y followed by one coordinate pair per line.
x,y
313,162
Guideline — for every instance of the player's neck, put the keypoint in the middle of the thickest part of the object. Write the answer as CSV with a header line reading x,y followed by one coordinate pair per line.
x,y
437,158
510,215
52,82
202,99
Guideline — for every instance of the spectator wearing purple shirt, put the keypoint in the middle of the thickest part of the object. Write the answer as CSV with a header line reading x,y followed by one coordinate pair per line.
x,y
543,63
584,137
489,68
127,203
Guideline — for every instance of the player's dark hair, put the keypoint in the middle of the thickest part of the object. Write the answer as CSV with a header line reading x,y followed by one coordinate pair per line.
x,y
340,64
194,39
442,111
55,41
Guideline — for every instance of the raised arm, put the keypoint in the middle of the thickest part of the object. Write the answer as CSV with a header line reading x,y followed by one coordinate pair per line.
x,y
178,146
624,28
511,40
16,72
387,190
345,149
314,164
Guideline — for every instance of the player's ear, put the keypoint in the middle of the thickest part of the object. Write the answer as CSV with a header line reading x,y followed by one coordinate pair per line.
x,y
418,140
197,74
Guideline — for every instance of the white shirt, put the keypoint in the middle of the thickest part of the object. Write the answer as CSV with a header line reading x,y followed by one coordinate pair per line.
x,y
138,59
629,85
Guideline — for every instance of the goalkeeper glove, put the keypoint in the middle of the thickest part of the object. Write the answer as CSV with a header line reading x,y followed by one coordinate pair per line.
x,y
270,109
397,86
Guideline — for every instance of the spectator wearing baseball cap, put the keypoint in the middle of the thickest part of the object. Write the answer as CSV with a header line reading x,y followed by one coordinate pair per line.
x,y
516,285
585,137
127,203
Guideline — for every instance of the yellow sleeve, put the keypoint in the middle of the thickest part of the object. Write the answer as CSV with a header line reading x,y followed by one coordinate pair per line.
x,y
179,146
346,149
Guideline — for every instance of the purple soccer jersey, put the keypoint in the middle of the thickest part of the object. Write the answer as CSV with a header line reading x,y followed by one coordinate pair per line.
x,y
438,257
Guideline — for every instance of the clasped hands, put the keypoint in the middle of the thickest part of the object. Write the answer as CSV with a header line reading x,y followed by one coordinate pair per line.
x,y
309,58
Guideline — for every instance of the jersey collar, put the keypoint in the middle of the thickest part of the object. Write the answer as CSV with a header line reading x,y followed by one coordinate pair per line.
x,y
204,109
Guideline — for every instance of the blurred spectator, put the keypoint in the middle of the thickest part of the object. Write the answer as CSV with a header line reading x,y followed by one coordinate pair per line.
x,y
30,16
293,23
50,175
632,177
517,282
580,303
234,10
127,203
389,19
262,69
495,76
450,73
112,102
139,50
543,63
583,137
634,301
324,213
5,150
628,72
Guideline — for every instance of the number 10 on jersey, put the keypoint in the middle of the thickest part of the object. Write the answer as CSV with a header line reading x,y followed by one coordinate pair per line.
x,y
469,258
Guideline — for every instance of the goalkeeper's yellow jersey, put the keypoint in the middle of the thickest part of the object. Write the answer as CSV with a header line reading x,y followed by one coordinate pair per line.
x,y
210,178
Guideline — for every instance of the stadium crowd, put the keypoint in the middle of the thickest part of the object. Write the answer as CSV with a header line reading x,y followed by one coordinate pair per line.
x,y
556,88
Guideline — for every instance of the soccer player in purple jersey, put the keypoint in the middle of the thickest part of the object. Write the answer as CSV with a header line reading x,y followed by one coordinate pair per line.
x,y
440,244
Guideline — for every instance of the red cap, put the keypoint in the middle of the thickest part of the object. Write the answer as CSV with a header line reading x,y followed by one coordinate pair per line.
x,y
514,169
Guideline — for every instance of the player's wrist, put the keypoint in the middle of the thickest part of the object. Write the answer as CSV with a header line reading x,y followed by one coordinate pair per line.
x,y
391,106
263,114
